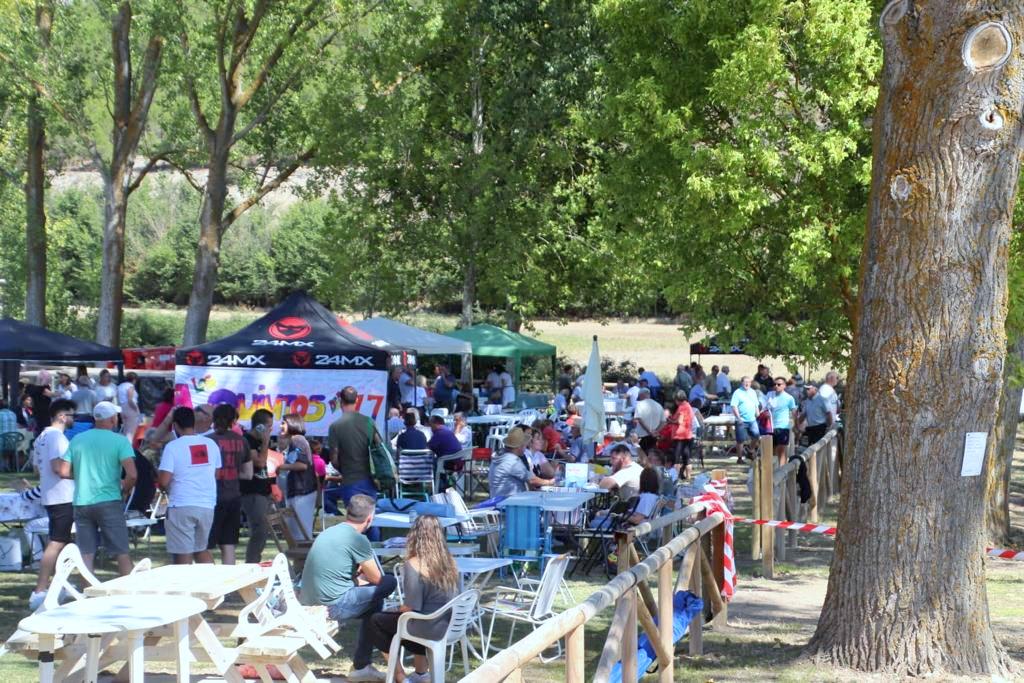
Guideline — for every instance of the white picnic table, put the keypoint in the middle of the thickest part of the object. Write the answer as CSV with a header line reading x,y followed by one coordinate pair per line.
x,y
209,583
124,618
456,549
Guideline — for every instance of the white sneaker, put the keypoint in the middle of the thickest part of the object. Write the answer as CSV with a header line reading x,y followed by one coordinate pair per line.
x,y
36,599
418,677
367,673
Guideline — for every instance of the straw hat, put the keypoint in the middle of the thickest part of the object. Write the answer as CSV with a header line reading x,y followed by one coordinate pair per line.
x,y
515,438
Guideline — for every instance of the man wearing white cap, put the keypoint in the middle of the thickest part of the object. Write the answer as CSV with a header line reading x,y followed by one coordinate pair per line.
x,y
94,460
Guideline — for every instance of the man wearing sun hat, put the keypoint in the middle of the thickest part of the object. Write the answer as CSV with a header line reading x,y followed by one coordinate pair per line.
x,y
94,460
509,473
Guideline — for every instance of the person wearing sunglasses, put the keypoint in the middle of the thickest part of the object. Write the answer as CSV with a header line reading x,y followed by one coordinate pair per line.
x,y
783,408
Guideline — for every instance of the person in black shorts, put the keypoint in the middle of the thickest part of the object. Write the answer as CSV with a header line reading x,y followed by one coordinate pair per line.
x,y
55,492
234,452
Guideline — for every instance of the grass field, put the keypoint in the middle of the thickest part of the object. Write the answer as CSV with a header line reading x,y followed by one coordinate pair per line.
x,y
654,345
770,621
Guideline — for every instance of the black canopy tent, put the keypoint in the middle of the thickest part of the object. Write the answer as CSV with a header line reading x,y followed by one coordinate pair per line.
x,y
298,333
296,358
21,342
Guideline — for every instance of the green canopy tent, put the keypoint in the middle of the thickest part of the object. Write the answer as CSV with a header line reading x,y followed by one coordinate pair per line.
x,y
488,340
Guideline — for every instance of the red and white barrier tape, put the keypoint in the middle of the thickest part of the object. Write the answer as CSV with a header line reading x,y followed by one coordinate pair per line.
x,y
1001,553
794,526
1004,554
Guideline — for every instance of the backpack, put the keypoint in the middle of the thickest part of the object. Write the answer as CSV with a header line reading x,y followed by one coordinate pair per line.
x,y
382,463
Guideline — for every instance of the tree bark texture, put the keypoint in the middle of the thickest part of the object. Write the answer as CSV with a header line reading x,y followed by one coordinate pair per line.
x,y
35,188
130,111
204,277
35,216
906,592
999,460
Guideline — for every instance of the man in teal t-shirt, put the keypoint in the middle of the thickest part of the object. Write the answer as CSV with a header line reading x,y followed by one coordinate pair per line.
x,y
94,460
783,409
341,572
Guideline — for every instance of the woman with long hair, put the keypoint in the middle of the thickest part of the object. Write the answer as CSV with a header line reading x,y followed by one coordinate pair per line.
x,y
301,484
429,581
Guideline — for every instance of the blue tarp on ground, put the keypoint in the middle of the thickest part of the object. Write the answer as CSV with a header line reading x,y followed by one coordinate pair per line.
x,y
686,605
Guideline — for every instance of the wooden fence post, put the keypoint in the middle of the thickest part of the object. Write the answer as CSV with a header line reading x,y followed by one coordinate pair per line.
x,y
780,514
812,475
574,656
697,588
755,533
629,639
666,618
718,567
767,460
792,507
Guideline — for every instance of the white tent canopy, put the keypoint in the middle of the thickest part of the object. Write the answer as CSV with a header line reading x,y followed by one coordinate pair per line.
x,y
423,342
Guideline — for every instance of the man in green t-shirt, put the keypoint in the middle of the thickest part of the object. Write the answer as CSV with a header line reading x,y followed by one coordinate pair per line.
x,y
341,572
94,460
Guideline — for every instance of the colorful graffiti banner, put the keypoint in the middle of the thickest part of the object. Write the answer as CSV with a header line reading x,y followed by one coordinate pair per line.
x,y
314,394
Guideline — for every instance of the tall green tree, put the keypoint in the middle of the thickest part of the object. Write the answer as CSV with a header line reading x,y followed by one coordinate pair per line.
x,y
248,73
738,144
465,165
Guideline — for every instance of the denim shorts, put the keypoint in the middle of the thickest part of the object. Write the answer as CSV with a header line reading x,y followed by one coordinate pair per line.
x,y
745,431
101,520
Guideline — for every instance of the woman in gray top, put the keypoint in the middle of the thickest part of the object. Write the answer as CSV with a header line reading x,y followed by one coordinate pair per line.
x,y
429,581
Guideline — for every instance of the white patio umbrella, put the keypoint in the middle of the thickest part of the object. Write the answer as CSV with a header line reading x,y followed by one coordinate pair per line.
x,y
593,398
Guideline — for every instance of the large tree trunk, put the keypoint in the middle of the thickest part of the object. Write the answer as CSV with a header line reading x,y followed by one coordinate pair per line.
x,y
35,188
35,216
999,461
115,206
204,277
468,293
906,593
130,112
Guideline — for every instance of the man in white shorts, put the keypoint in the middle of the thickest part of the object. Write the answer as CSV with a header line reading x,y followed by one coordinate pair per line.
x,y
188,472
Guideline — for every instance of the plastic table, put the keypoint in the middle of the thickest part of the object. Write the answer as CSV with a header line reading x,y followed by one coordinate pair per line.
x,y
400,520
120,616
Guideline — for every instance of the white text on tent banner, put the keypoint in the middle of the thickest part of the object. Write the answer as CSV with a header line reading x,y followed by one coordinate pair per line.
x,y
314,394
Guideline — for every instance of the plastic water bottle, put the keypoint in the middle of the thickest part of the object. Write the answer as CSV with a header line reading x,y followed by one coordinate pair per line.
x,y
412,516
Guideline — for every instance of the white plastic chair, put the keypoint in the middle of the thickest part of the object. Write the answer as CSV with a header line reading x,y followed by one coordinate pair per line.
x,y
532,607
478,522
157,512
465,456
461,610
68,562
496,437
416,468
278,609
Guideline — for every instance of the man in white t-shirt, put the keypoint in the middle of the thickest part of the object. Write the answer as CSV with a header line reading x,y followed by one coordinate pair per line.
x,y
828,392
56,492
188,472
508,391
632,394
407,387
648,417
625,473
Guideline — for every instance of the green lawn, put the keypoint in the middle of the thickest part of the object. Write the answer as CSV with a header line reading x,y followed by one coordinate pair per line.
x,y
770,621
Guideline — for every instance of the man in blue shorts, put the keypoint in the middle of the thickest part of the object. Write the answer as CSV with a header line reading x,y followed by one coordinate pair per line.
x,y
745,406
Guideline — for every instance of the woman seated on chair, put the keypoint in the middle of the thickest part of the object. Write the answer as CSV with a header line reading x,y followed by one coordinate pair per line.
x,y
650,493
429,581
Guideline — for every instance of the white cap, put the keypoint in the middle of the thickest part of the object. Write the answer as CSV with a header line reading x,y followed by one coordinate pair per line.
x,y
104,410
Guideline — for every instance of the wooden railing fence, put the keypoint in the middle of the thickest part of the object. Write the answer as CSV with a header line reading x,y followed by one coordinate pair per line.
x,y
775,495
635,604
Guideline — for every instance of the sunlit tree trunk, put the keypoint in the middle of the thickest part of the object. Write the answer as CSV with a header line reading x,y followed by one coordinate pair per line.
x,y
35,187
906,592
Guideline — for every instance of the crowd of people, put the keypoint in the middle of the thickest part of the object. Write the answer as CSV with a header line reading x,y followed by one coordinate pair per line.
x,y
215,473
